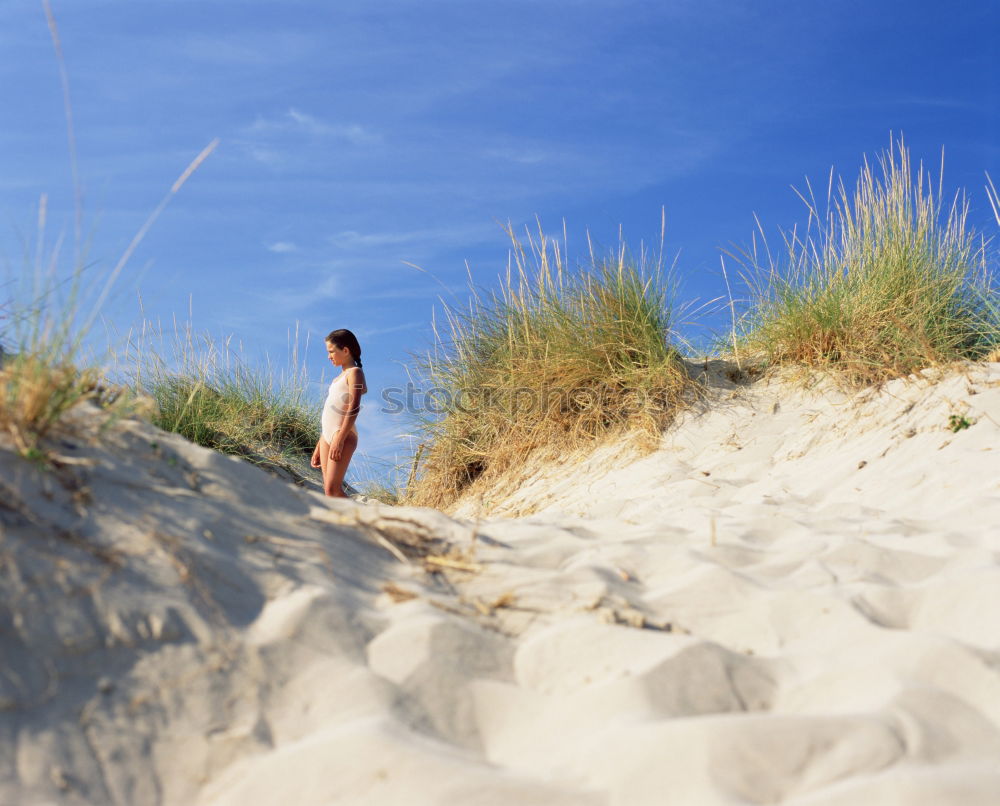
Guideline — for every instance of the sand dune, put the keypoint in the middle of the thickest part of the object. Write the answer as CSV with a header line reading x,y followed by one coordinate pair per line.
x,y
795,600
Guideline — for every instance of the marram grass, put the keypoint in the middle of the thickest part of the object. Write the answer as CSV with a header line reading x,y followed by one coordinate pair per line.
x,y
206,392
889,282
36,390
44,369
553,360
49,372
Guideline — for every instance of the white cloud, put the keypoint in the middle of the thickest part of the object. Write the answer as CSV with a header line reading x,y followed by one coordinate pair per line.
x,y
371,333
520,156
295,121
462,234
350,239
278,142
249,49
265,156
282,247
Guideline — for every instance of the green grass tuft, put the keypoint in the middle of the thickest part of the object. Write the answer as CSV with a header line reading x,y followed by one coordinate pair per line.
x,y
45,370
553,360
207,393
888,283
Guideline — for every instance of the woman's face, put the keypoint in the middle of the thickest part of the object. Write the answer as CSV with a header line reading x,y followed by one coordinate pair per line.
x,y
338,355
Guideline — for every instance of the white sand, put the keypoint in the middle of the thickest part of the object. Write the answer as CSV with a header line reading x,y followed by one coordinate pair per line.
x,y
796,600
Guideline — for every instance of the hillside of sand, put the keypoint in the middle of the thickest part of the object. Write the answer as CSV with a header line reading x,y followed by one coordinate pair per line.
x,y
795,600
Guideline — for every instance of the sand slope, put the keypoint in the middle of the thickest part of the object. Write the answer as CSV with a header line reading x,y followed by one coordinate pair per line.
x,y
796,600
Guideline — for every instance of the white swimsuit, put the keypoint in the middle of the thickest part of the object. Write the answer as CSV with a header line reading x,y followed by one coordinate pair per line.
x,y
335,408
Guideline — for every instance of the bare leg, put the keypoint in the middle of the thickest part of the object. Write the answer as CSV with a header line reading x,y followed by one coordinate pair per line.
x,y
324,455
334,470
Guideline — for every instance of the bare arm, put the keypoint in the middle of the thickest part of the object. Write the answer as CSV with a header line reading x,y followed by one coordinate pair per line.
x,y
356,387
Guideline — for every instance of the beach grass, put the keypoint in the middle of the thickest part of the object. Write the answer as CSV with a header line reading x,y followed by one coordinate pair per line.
x,y
47,314
201,390
36,390
384,490
204,389
993,300
379,479
44,368
888,281
190,384
554,359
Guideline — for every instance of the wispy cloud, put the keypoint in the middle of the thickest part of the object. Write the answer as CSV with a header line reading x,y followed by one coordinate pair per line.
x,y
351,239
282,247
250,49
526,156
265,156
436,237
374,332
295,121
296,138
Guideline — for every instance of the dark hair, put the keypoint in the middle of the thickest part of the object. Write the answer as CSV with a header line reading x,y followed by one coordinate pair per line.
x,y
344,338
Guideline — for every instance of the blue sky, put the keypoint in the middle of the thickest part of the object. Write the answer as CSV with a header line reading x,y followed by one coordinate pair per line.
x,y
359,137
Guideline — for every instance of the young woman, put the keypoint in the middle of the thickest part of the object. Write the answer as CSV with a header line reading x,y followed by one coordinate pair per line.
x,y
343,402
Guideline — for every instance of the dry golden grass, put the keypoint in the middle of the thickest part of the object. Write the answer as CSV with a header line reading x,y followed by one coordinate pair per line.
x,y
49,372
35,392
553,360
887,283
